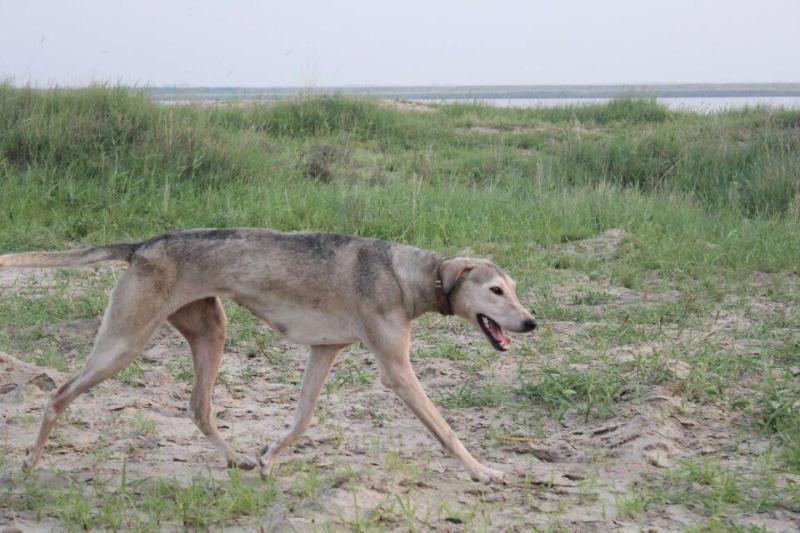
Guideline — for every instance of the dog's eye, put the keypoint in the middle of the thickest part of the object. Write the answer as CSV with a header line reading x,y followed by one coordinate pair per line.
x,y
497,290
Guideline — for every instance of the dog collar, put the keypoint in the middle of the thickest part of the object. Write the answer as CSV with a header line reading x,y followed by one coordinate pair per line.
x,y
442,299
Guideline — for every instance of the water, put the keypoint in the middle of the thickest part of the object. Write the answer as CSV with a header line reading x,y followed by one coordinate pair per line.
x,y
698,104
702,98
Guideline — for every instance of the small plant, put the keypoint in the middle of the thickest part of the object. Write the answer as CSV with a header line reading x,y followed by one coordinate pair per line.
x,y
131,373
75,508
475,396
445,348
248,374
591,298
630,506
181,368
144,425
306,483
558,389
348,374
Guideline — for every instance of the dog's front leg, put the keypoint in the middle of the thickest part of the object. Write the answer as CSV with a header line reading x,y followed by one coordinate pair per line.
x,y
319,365
391,347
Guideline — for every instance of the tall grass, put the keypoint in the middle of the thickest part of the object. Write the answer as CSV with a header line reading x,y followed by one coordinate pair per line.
x,y
699,193
625,109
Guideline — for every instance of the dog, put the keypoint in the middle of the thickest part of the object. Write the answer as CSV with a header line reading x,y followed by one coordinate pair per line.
x,y
323,290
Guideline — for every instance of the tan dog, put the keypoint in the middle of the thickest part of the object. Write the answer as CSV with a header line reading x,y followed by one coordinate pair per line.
x,y
326,291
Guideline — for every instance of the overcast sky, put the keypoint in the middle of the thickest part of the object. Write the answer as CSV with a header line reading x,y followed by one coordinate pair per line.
x,y
445,42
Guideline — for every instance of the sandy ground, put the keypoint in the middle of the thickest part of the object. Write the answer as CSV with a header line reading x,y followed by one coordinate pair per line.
x,y
563,473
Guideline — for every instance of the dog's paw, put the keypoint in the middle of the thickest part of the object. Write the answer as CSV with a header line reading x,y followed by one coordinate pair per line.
x,y
29,463
266,461
242,462
488,475
264,449
28,466
266,467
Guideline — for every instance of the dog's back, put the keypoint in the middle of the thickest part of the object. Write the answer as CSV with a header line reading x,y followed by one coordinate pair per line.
x,y
313,280
282,264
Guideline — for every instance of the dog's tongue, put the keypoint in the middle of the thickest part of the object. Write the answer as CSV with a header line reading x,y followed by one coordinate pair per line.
x,y
498,334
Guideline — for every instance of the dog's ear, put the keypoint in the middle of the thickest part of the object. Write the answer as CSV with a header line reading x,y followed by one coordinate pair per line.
x,y
453,270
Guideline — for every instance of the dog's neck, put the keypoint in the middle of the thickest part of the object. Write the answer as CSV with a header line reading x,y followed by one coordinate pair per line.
x,y
443,304
422,285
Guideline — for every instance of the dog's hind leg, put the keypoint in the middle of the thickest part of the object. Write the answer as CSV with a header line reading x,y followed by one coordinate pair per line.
x,y
317,369
203,324
127,325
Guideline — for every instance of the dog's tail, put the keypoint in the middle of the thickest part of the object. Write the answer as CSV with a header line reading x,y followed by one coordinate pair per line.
x,y
84,256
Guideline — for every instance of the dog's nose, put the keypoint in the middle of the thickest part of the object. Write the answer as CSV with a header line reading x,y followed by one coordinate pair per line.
x,y
529,325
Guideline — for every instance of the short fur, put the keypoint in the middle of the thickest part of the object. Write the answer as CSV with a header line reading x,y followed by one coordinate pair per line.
x,y
323,290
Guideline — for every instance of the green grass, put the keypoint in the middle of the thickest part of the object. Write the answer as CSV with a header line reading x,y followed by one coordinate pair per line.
x,y
348,373
721,494
475,396
145,505
699,193
557,389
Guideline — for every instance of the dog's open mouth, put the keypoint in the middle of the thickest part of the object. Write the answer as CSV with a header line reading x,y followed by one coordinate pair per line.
x,y
494,332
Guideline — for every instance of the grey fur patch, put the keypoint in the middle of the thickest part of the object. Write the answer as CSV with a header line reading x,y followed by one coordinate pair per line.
x,y
191,247
191,235
319,245
323,245
372,262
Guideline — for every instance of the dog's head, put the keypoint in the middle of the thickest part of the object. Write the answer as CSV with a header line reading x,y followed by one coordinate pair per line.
x,y
485,296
